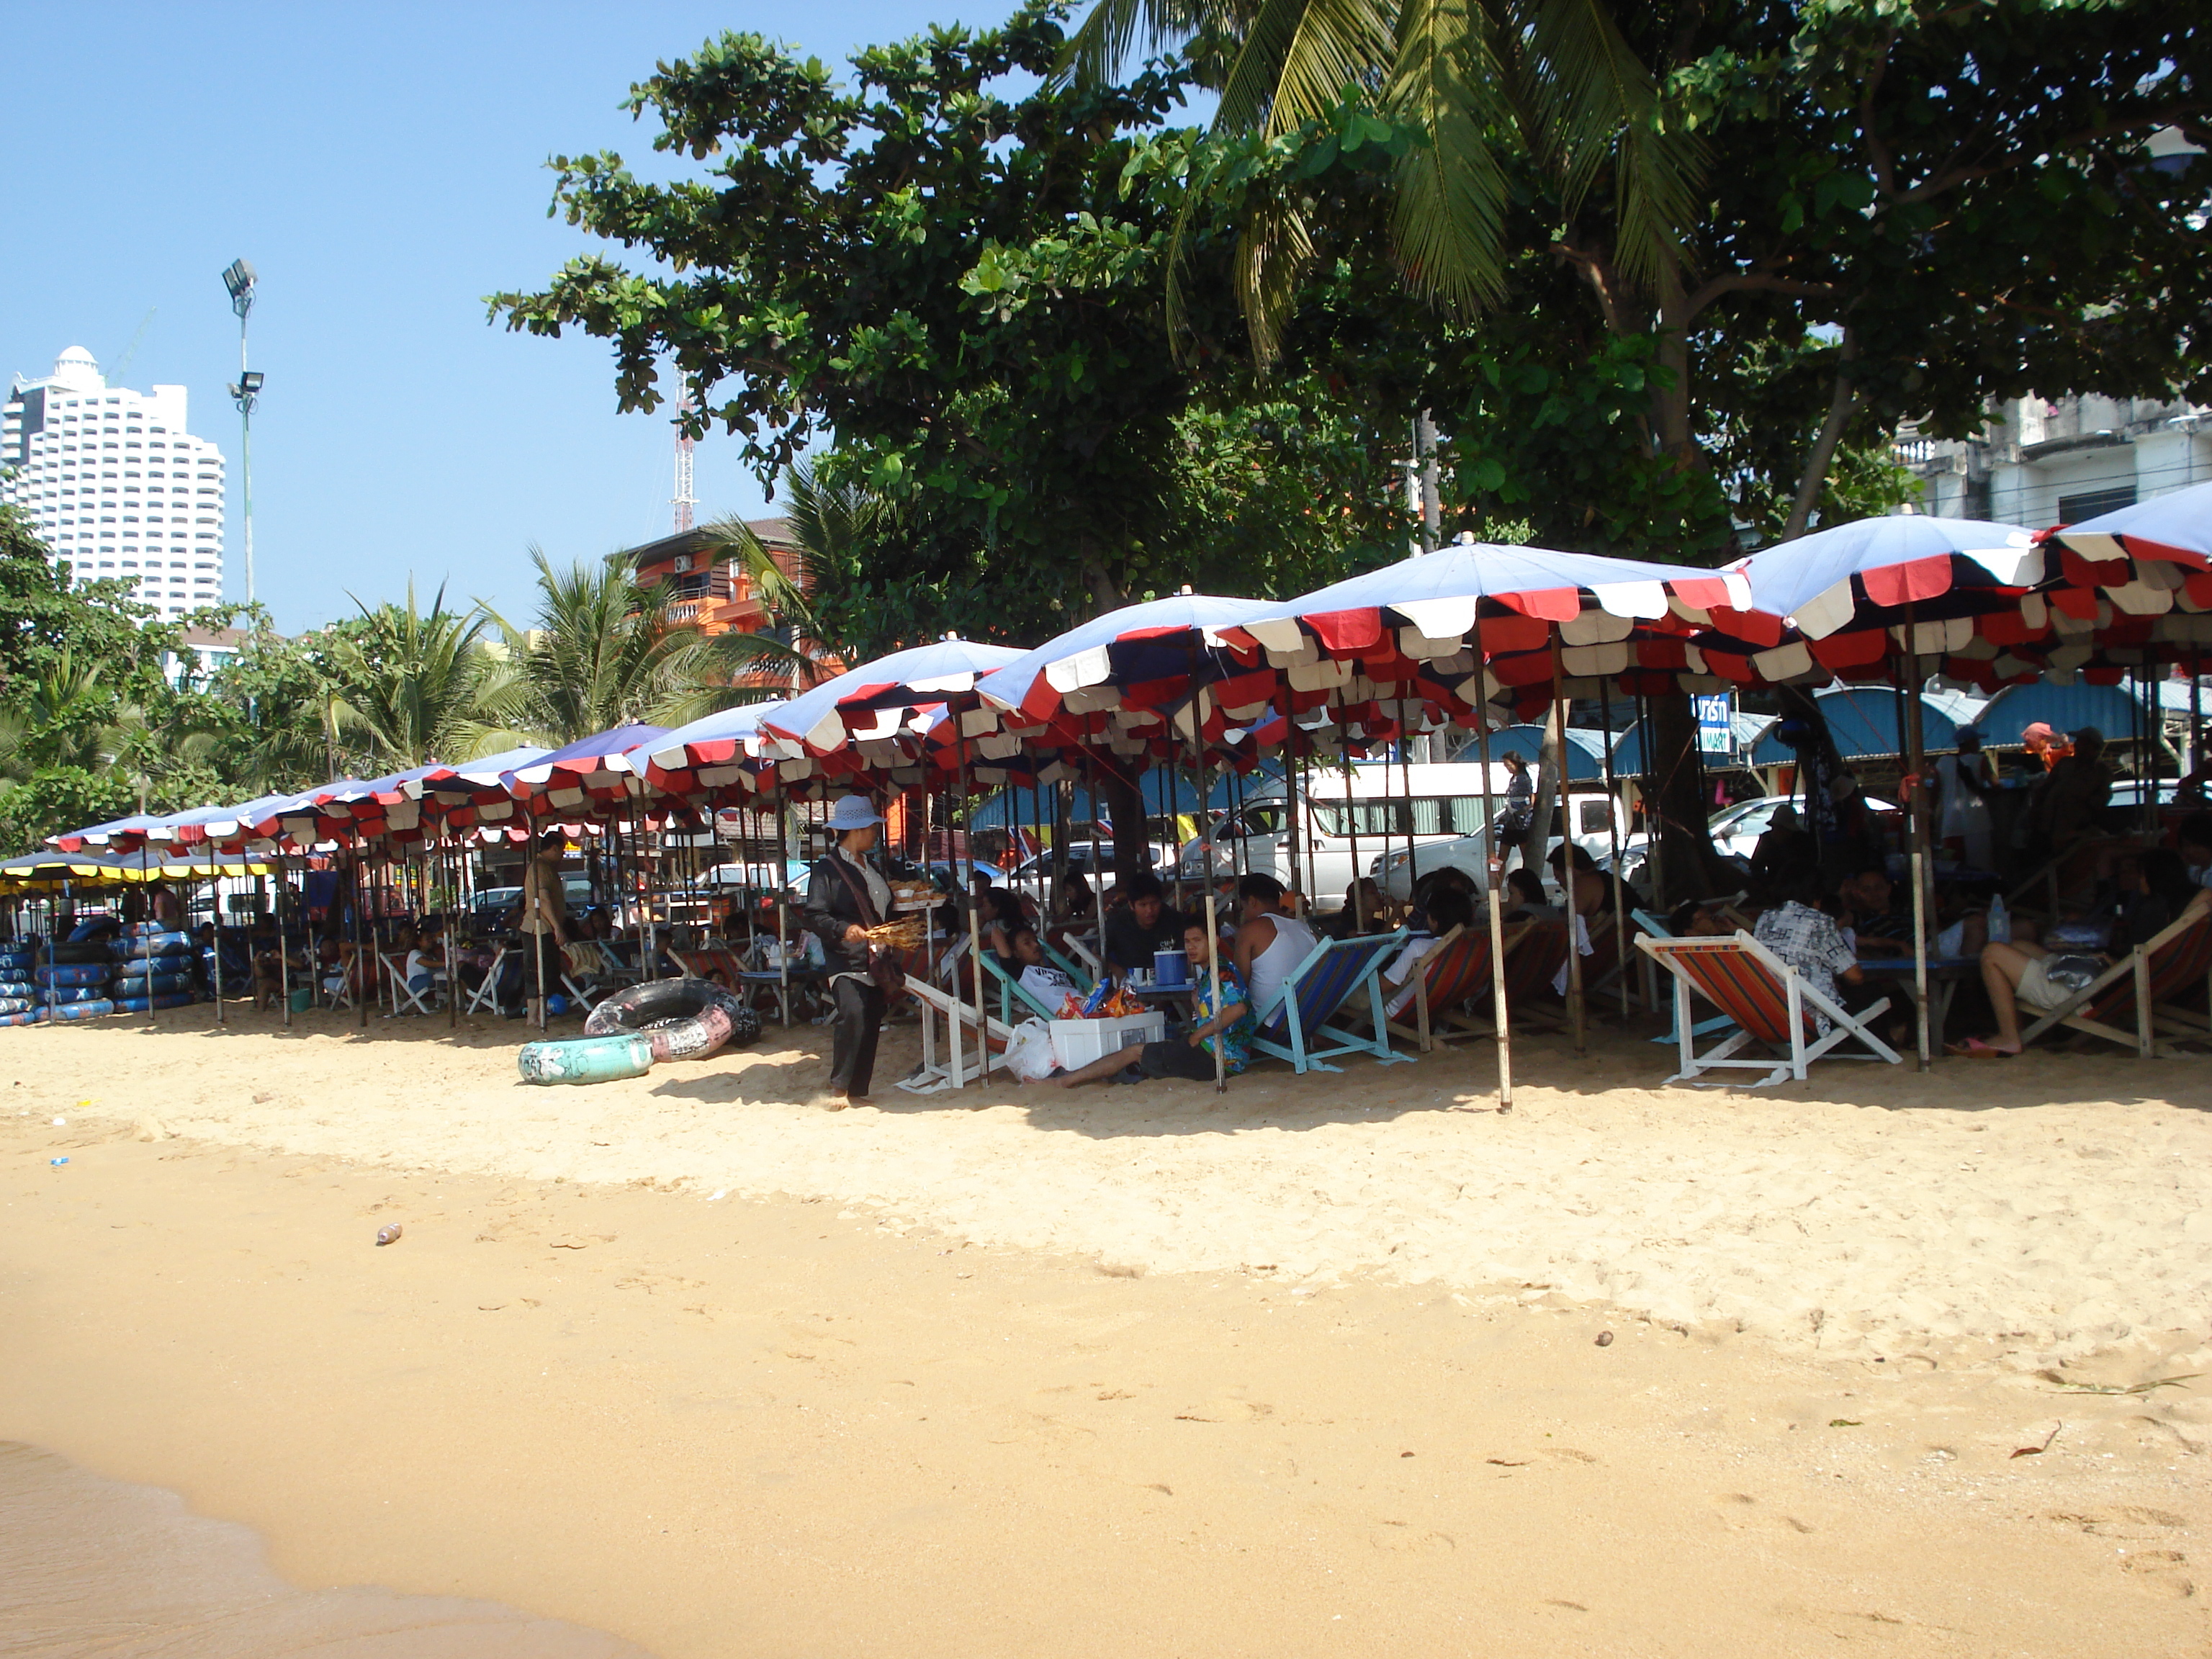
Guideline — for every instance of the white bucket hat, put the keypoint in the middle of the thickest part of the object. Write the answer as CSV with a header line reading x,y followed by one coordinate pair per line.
x,y
854,812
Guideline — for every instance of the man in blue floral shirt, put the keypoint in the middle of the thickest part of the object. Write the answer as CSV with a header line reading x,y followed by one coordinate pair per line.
x,y
1190,1056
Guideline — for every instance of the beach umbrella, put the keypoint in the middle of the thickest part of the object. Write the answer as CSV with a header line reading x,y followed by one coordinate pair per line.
x,y
117,834
1839,601
716,753
875,718
585,778
465,795
2174,529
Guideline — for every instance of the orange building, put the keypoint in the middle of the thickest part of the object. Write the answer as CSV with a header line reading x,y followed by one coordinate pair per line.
x,y
707,592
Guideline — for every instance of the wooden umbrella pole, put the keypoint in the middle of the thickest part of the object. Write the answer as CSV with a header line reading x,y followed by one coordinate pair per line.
x,y
1916,760
283,945
1493,880
974,914
1357,897
1613,810
362,975
449,857
1577,1014
1212,917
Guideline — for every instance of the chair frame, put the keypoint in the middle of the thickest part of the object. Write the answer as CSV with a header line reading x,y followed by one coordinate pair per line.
x,y
2079,1011
1800,1001
404,995
1463,952
1287,1018
485,998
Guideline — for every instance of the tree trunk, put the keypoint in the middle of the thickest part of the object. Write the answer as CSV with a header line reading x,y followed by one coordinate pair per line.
x,y
1125,804
1537,841
1686,858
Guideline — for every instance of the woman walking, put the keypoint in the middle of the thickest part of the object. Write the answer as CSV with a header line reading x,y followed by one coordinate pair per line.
x,y
846,896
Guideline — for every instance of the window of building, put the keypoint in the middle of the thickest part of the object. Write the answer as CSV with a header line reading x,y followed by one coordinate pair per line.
x,y
2073,510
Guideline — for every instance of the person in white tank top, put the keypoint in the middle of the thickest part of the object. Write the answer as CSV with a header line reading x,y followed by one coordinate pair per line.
x,y
1270,945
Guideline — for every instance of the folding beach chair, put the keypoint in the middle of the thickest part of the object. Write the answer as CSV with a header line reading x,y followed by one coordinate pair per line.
x,y
1656,926
1773,1005
485,1000
1012,991
1531,967
405,998
1299,1016
2144,984
962,1062
1457,971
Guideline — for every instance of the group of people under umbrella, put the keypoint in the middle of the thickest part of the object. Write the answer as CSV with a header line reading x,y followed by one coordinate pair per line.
x,y
1464,639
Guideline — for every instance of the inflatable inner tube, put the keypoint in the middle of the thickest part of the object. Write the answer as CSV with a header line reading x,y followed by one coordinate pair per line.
x,y
31,1016
585,1060
76,973
140,1005
84,1010
155,945
683,1018
90,950
160,985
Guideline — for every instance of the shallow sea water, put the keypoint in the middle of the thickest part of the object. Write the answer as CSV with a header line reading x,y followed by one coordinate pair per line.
x,y
91,1566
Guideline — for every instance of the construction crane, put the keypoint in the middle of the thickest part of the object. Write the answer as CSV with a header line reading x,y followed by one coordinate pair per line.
x,y
114,376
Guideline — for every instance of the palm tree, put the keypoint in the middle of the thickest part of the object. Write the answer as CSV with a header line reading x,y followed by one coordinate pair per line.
x,y
424,686
605,651
1553,83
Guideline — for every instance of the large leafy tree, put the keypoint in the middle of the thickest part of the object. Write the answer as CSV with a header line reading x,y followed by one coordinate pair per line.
x,y
423,685
957,272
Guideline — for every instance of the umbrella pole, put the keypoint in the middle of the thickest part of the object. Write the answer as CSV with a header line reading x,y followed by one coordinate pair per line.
x,y
1493,878
283,946
361,975
1577,1014
146,887
1356,896
214,888
1917,804
975,920
1613,840
1213,920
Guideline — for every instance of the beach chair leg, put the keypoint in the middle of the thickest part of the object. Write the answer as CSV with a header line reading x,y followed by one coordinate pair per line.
x,y
2146,1044
1421,1008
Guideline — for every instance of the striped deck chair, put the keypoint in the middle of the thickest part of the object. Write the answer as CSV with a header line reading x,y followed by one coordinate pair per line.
x,y
1656,925
1529,971
1773,1005
1298,1017
2140,987
1455,973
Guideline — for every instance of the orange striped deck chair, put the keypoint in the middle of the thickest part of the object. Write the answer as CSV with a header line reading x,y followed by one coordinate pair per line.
x,y
1772,1005
2142,988
1530,968
1455,973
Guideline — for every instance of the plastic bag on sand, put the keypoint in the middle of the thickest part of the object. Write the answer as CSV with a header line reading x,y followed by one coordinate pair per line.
x,y
1028,1051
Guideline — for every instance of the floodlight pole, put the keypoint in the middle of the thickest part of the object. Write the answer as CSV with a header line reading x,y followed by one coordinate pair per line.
x,y
240,280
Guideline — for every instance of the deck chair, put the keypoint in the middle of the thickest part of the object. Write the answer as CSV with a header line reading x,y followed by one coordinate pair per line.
x,y
1773,1005
962,1062
1457,971
1530,969
1298,1016
1656,925
2141,987
1016,1001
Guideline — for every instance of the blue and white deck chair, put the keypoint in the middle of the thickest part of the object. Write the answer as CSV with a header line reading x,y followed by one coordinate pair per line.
x,y
1010,989
1297,1019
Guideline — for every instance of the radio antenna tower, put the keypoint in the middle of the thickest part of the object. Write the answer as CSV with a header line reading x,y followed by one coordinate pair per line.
x,y
685,500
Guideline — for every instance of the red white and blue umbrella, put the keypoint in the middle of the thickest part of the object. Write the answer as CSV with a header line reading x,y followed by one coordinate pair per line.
x,y
716,754
876,718
1445,631
117,835
584,778
2135,585
1838,602
469,795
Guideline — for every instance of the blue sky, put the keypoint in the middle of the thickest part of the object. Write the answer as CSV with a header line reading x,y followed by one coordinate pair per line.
x,y
382,168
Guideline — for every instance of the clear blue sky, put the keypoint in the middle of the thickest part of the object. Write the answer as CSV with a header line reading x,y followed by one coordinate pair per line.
x,y
382,168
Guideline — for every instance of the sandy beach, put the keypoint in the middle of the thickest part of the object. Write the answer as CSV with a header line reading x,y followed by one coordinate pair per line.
x,y
696,1363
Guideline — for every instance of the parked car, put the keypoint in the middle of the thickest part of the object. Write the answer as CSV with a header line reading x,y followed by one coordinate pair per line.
x,y
1594,816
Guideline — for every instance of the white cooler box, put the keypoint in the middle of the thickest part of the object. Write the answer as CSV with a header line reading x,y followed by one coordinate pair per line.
x,y
1077,1042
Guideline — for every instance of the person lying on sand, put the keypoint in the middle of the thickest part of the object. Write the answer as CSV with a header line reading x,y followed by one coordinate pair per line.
x,y
1188,1057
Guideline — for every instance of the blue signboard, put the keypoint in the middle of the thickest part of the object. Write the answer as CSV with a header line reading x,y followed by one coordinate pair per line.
x,y
1716,724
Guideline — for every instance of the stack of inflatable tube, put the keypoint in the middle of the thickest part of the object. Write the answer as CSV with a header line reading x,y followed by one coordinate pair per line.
x,y
154,970
19,992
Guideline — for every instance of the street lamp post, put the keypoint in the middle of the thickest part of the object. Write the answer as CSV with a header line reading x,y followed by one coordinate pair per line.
x,y
240,280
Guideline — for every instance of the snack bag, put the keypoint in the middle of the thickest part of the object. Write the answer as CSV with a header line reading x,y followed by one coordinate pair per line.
x,y
1070,1006
1094,1005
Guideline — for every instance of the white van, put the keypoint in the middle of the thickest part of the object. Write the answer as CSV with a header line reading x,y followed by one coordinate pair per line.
x,y
1381,807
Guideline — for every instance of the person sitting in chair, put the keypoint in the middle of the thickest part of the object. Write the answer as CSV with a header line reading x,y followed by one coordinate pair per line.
x,y
1270,945
1806,939
1227,1027
1038,975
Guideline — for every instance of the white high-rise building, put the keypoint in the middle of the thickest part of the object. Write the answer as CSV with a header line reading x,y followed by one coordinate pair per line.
x,y
114,484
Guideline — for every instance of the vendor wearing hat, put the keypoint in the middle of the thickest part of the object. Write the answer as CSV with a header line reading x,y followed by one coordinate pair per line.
x,y
846,896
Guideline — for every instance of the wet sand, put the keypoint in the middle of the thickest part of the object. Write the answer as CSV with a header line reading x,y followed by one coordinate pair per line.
x,y
94,1566
817,1422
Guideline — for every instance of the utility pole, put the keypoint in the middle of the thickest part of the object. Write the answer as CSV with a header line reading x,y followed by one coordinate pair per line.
x,y
240,280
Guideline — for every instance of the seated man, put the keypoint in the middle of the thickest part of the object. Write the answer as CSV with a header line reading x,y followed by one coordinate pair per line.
x,y
426,961
1590,890
1880,930
1807,940
1270,945
1038,976
1144,926
1228,1028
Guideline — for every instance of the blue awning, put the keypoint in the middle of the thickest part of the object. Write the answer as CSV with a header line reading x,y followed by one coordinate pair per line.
x,y
1863,720
2110,709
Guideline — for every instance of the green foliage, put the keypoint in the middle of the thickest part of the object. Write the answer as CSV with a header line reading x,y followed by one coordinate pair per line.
x,y
963,282
51,799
